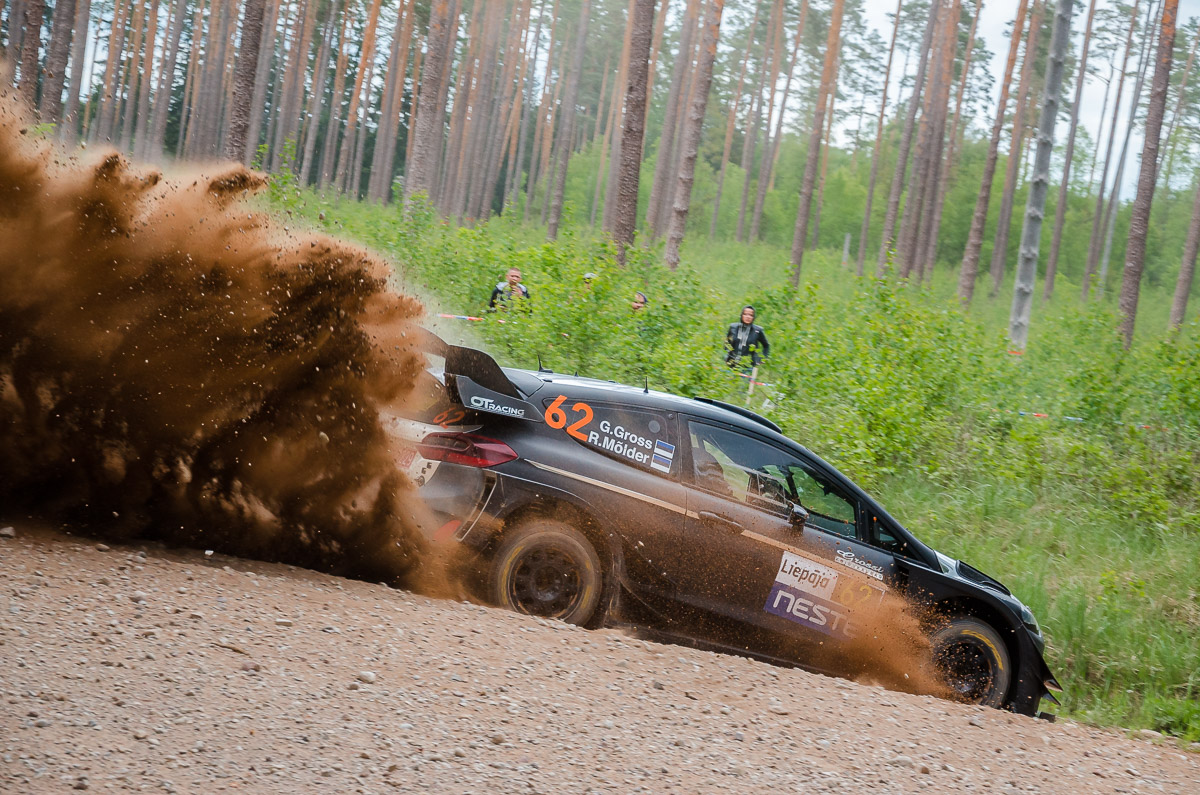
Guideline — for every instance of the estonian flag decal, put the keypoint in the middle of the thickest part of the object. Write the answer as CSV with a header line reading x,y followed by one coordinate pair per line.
x,y
664,454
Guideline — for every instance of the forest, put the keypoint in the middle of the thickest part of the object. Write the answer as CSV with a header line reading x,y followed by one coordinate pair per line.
x,y
974,245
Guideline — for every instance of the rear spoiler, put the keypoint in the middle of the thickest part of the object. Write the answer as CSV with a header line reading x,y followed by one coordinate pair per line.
x,y
480,383
476,365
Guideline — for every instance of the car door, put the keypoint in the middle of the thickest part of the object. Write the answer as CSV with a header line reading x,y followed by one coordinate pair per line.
x,y
765,569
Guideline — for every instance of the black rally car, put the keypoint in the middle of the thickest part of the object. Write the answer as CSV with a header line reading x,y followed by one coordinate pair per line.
x,y
595,502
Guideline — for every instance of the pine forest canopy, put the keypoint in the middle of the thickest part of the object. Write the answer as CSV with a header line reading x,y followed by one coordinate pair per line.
x,y
915,137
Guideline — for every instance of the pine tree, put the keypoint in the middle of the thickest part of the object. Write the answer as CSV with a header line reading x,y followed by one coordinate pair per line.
x,y
800,234
1035,206
1139,221
970,263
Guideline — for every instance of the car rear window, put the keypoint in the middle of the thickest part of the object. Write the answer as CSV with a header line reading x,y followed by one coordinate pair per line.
x,y
644,439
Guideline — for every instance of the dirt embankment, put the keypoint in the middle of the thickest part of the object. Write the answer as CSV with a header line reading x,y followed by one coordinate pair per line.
x,y
139,667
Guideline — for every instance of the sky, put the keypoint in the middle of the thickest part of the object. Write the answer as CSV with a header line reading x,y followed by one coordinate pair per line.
x,y
997,16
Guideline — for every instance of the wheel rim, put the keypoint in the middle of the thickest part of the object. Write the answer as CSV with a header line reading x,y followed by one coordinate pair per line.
x,y
968,671
546,582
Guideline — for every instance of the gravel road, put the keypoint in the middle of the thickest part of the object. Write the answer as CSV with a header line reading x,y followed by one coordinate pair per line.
x,y
146,668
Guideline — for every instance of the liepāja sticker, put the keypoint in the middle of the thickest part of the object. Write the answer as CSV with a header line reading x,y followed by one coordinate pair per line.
x,y
816,596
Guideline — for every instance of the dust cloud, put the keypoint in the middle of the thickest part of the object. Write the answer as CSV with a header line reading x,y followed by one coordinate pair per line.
x,y
176,365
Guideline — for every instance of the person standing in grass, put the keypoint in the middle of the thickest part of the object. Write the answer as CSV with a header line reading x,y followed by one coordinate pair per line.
x,y
744,338
511,287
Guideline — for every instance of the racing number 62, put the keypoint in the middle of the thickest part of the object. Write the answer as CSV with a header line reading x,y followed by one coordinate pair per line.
x,y
557,418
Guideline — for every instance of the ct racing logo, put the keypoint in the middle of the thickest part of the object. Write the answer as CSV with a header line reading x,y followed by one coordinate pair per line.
x,y
487,404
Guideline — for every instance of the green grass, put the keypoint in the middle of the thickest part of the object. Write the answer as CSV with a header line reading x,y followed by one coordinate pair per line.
x,y
1094,523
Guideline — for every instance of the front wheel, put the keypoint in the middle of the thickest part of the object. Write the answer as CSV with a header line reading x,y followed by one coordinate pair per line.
x,y
548,569
973,660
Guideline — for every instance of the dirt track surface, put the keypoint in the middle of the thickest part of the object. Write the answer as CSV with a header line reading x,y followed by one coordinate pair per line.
x,y
143,668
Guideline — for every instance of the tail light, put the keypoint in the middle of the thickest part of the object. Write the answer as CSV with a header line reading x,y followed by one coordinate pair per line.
x,y
467,449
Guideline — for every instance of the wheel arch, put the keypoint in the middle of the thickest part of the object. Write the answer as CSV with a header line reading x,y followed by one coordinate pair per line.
x,y
574,512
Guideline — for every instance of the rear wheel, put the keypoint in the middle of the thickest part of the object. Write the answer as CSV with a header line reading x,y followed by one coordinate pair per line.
x,y
973,660
547,568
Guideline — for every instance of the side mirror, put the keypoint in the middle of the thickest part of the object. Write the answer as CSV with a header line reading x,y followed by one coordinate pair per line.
x,y
797,515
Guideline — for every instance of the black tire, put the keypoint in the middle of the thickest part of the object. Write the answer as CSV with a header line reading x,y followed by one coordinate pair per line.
x,y
973,660
547,568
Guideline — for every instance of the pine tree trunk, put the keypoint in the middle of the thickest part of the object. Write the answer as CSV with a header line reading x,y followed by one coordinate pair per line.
x,y
1170,136
773,163
57,52
116,46
926,151
527,112
443,94
693,127
354,185
660,25
129,78
536,155
141,134
1015,152
505,107
287,128
749,152
925,245
1114,201
187,113
624,216
663,178
731,125
68,130
766,168
567,124
486,120
462,121
31,46
832,42
1094,241
346,153
1187,267
612,149
333,127
1035,206
887,78
1139,221
946,166
245,78
316,97
1064,188
157,128
828,137
383,158
970,263
914,103
419,175
262,78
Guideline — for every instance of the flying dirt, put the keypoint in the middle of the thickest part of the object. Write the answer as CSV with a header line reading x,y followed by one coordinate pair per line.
x,y
175,364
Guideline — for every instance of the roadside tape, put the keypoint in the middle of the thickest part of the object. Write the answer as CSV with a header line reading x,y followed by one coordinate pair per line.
x,y
466,317
1067,418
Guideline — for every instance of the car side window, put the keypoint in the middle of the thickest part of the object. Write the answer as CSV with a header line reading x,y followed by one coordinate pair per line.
x,y
745,469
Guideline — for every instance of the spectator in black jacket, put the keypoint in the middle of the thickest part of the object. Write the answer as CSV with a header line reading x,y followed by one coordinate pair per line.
x,y
746,339
510,288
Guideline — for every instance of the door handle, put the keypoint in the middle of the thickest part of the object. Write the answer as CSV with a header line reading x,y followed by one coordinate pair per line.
x,y
719,521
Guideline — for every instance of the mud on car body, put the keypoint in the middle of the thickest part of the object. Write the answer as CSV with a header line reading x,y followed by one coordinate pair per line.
x,y
599,503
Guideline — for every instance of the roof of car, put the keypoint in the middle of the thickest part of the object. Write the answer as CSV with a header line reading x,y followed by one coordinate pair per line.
x,y
706,407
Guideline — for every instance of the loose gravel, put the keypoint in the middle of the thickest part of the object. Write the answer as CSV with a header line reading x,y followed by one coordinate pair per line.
x,y
150,669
